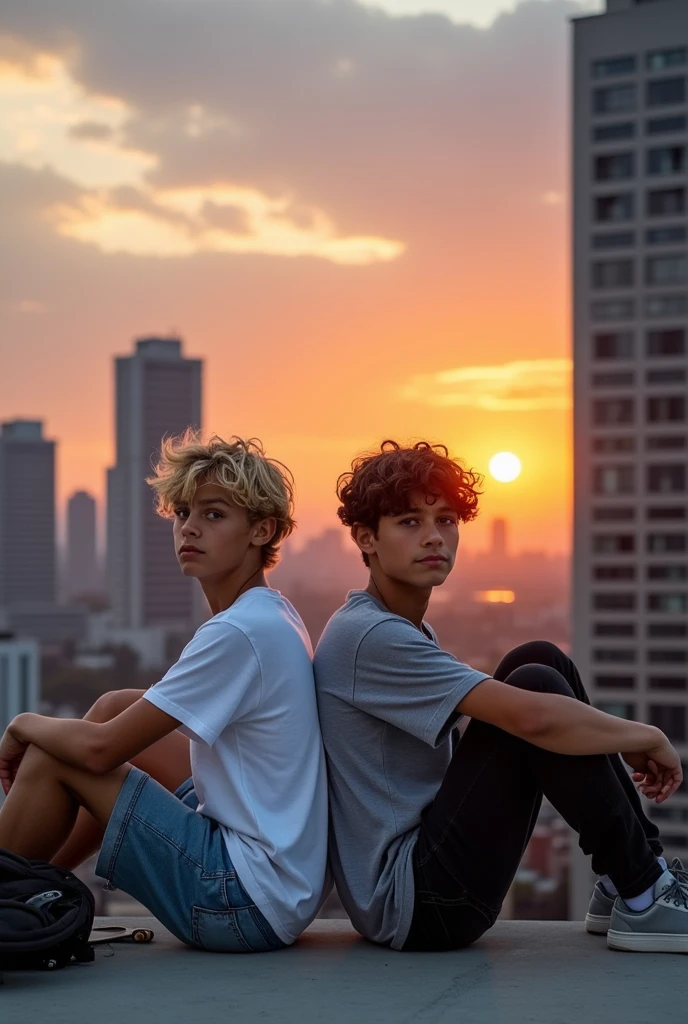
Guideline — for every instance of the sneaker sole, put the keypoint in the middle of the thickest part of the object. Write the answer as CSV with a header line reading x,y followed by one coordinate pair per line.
x,y
597,924
647,942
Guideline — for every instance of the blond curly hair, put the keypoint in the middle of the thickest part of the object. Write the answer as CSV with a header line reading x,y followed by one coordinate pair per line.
x,y
261,485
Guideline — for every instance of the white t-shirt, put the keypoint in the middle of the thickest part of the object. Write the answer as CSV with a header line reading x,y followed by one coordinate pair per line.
x,y
243,690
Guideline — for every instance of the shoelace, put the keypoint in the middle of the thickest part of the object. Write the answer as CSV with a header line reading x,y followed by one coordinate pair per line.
x,y
677,869
676,893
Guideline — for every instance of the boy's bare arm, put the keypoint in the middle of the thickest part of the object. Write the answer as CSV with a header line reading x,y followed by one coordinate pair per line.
x,y
96,746
567,726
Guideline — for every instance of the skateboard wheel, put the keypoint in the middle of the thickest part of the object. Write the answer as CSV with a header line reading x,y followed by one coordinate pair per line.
x,y
142,935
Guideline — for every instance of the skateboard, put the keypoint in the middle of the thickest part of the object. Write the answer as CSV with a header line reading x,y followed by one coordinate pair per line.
x,y
118,933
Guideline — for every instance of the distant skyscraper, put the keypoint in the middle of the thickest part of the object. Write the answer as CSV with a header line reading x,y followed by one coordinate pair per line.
x,y
81,569
631,372
158,393
27,513
20,681
499,538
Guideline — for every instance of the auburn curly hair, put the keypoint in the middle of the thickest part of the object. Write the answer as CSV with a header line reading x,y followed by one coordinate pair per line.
x,y
379,483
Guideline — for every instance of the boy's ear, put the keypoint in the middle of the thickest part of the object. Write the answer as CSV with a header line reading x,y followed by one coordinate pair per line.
x,y
363,537
263,531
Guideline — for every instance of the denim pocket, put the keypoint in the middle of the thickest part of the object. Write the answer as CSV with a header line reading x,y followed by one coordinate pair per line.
x,y
233,931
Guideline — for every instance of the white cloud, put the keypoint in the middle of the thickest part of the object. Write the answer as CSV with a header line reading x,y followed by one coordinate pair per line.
x,y
523,386
178,222
474,12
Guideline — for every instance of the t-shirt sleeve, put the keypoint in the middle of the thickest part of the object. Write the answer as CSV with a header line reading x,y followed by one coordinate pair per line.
x,y
405,679
216,681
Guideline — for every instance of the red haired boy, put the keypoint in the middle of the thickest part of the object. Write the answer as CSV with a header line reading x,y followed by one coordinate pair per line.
x,y
427,831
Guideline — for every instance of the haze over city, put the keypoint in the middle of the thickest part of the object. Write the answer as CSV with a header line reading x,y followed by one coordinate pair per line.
x,y
406,282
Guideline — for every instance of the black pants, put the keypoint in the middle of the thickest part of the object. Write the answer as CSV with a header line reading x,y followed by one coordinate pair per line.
x,y
475,832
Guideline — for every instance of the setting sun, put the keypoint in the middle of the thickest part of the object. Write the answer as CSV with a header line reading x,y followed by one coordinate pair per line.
x,y
505,467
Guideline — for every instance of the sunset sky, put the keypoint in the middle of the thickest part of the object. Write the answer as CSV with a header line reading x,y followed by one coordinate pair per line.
x,y
356,213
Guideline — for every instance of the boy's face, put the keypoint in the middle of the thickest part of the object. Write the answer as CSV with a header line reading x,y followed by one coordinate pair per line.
x,y
213,536
417,548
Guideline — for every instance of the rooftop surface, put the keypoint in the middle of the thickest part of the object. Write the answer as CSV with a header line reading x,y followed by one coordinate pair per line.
x,y
522,971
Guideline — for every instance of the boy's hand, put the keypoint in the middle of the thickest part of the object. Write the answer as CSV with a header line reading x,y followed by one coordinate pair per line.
x,y
657,772
12,751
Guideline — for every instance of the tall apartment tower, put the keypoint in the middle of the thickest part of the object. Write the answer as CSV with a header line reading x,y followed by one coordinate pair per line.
x,y
81,566
27,514
630,179
158,393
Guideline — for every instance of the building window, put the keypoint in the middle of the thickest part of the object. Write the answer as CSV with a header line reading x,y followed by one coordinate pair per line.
x,y
671,376
662,93
667,572
613,543
661,543
606,411
659,60
663,270
623,379
613,274
615,166
669,657
666,160
666,409
619,710
613,345
607,445
618,207
671,604
606,682
667,630
665,305
667,512
666,342
614,629
671,719
666,125
613,132
613,479
666,442
661,813
617,240
614,572
618,655
616,99
614,602
666,479
674,235
671,841
613,514
665,202
608,67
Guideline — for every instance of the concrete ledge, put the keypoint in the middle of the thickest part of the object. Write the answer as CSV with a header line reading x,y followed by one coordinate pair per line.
x,y
522,971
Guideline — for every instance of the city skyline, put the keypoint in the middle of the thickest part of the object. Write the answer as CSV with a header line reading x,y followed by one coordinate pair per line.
x,y
410,282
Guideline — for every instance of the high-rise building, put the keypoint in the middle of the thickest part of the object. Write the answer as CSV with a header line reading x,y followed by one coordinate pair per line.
x,y
630,154
81,565
19,677
27,514
158,394
499,530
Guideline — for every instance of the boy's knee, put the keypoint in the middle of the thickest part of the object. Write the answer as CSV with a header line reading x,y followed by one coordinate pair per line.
x,y
539,679
113,703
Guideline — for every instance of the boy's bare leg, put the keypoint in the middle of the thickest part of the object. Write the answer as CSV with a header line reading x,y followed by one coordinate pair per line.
x,y
166,761
41,807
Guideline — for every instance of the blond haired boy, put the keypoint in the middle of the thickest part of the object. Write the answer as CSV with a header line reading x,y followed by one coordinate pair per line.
x,y
207,793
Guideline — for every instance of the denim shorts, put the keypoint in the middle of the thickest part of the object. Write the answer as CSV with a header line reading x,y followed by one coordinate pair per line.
x,y
162,852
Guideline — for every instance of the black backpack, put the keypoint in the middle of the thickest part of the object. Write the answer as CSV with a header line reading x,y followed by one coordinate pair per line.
x,y
46,915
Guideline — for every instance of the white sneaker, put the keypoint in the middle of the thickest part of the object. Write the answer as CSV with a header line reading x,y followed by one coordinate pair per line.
x,y
662,928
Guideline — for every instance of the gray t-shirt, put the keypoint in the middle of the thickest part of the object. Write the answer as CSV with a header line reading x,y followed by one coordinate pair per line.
x,y
387,695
